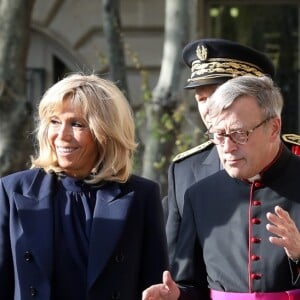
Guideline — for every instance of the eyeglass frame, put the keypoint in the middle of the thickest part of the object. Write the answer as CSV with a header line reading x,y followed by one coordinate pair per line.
x,y
210,135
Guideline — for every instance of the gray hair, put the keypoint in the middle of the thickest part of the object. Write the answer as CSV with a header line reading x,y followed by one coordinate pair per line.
x,y
263,89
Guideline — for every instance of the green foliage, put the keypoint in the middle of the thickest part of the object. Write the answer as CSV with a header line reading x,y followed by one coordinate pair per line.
x,y
161,163
167,125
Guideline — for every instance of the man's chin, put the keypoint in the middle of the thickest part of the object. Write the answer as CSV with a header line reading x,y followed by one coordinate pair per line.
x,y
233,172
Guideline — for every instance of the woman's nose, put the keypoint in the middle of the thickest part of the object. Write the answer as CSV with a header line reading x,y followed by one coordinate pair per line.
x,y
65,132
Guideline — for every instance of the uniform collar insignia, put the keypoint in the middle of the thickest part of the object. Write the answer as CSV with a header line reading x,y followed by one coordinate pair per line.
x,y
291,138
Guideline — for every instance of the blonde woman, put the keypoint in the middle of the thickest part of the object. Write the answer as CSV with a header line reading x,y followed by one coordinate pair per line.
x,y
78,224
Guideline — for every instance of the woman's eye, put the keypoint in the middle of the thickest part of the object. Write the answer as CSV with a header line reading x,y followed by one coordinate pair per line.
x,y
77,124
54,122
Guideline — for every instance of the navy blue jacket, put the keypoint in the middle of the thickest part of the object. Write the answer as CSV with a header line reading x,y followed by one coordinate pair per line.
x,y
183,173
127,246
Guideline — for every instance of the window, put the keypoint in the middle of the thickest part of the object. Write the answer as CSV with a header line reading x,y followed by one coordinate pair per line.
x,y
270,28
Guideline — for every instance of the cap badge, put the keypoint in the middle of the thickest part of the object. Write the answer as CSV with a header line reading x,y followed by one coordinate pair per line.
x,y
201,52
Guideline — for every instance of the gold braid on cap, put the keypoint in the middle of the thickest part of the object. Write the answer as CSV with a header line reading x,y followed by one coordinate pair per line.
x,y
218,67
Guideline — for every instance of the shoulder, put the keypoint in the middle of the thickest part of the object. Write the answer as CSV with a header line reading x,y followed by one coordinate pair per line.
x,y
193,151
23,178
25,174
209,183
292,141
145,189
135,180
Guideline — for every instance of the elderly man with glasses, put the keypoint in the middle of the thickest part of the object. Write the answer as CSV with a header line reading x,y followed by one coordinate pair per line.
x,y
239,237
212,62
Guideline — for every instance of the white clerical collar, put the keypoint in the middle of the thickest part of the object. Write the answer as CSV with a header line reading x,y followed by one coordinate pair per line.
x,y
254,178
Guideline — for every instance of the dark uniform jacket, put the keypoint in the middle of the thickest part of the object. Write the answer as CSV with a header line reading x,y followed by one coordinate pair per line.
x,y
223,242
128,249
184,171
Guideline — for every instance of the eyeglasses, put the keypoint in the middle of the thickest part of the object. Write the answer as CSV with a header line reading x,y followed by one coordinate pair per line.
x,y
238,137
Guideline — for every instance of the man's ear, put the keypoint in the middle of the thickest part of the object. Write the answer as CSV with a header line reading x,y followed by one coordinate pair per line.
x,y
275,127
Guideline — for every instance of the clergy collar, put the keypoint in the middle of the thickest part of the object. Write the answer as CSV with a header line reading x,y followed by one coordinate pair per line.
x,y
269,170
254,178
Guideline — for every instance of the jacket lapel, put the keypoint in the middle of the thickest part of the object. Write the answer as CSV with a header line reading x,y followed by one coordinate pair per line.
x,y
36,216
108,223
35,210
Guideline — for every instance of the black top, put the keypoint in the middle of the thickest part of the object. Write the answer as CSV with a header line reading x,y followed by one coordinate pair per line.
x,y
74,207
224,244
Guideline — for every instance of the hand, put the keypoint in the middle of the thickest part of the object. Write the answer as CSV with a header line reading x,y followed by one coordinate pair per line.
x,y
167,290
287,234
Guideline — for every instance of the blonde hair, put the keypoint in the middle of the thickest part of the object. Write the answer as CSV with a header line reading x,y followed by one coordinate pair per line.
x,y
110,120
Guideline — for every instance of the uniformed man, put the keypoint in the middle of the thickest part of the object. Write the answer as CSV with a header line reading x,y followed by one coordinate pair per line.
x,y
239,237
212,62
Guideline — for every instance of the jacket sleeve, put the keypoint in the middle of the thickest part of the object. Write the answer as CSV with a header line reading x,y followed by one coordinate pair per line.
x,y
174,217
6,261
189,269
155,255
295,271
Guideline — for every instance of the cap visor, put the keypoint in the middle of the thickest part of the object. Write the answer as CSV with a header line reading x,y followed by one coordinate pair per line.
x,y
206,81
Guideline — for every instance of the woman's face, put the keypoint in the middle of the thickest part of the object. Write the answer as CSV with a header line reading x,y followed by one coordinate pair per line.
x,y
72,141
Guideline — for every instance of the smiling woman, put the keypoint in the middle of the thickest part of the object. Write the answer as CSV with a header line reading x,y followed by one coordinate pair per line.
x,y
80,194
87,105
72,141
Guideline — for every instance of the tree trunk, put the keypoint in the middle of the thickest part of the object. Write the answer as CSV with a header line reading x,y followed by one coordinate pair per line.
x,y
160,138
117,65
112,30
15,111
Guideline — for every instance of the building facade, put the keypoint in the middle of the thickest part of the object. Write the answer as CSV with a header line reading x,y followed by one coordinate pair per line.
x,y
67,36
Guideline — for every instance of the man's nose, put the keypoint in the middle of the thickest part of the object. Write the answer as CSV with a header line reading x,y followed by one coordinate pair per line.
x,y
229,145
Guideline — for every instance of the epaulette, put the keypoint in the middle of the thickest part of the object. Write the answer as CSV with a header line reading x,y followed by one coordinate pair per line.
x,y
291,138
192,151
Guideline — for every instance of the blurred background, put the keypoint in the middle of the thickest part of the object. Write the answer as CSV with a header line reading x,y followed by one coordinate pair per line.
x,y
137,44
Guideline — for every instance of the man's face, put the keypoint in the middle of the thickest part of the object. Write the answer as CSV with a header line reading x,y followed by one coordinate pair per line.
x,y
201,95
247,160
